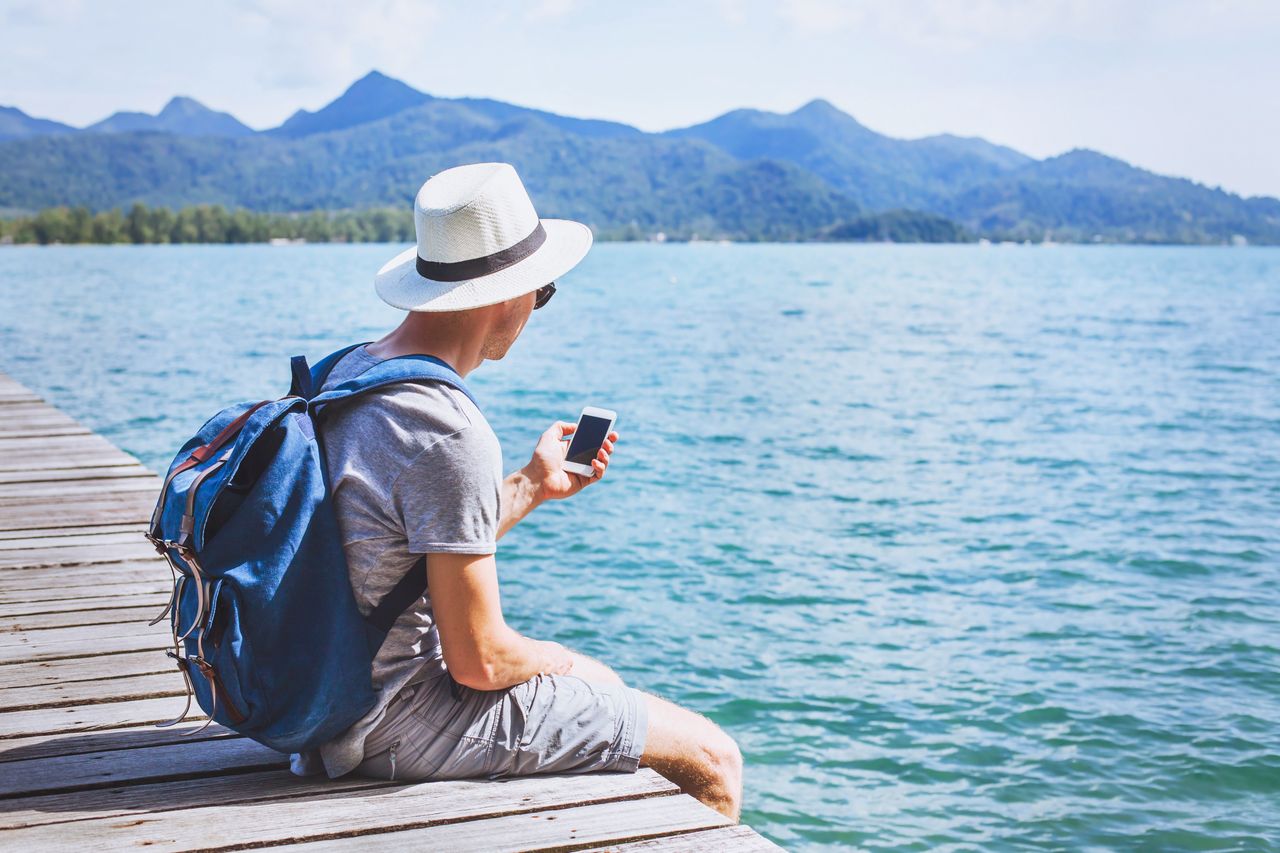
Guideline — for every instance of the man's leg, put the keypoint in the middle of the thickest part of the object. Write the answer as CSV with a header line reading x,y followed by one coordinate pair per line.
x,y
684,746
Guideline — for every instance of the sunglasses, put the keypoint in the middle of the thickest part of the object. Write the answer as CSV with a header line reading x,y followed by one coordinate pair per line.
x,y
544,295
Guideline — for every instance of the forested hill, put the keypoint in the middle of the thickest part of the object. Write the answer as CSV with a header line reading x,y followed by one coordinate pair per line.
x,y
811,174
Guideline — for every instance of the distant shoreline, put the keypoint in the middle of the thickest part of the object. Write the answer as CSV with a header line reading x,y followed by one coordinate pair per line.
x,y
216,225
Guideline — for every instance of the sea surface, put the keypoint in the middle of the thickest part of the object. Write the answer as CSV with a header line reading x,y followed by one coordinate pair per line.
x,y
969,547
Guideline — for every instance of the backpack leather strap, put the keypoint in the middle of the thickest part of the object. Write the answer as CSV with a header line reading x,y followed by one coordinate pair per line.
x,y
200,454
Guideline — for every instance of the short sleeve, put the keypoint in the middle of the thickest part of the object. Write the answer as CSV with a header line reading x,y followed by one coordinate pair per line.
x,y
448,496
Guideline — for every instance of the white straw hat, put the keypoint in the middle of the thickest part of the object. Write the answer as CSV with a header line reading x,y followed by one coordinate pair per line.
x,y
479,242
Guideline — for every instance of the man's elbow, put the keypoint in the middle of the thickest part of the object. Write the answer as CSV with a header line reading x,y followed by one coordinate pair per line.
x,y
477,671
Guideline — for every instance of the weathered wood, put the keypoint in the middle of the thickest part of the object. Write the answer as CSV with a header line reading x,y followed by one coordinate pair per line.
x,y
107,472
13,493
354,812
124,590
147,686
126,534
49,672
154,598
77,512
72,618
121,800
40,558
87,718
548,829
83,680
79,642
75,457
72,581
122,737
121,766
728,839
87,634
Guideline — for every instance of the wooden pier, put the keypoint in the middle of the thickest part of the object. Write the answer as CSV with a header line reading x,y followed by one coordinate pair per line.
x,y
83,680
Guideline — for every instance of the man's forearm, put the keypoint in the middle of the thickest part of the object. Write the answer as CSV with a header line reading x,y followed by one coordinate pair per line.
x,y
515,658
519,498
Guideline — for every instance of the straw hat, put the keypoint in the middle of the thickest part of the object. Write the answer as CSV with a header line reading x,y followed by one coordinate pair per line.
x,y
479,242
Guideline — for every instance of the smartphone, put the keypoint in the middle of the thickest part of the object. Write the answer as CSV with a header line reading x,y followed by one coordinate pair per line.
x,y
594,426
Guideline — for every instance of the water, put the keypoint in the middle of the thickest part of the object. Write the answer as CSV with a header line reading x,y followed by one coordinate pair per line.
x,y
967,547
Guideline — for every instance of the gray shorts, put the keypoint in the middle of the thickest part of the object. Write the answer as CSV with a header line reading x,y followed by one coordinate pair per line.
x,y
548,724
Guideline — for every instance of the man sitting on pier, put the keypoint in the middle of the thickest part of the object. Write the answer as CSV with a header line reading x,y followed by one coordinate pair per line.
x,y
416,469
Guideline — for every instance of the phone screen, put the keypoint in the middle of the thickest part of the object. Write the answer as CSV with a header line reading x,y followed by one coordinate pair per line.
x,y
587,439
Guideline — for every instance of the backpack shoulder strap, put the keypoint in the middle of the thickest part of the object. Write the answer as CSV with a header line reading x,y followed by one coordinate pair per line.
x,y
307,381
404,368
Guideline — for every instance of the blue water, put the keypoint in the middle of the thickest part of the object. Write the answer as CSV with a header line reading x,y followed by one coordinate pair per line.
x,y
968,547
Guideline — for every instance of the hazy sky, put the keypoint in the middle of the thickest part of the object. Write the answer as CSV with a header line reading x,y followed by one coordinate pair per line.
x,y
1180,87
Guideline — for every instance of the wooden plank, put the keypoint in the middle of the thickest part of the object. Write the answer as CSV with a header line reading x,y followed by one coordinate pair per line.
x,y
72,618
154,597
40,558
123,800
123,766
80,643
18,676
55,444
728,839
546,829
38,431
94,492
14,492
71,581
127,534
42,509
148,686
118,511
53,475
70,596
87,718
57,532
65,461
122,737
291,820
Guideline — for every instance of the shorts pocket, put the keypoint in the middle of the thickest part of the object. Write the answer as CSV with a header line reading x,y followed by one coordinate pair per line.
x,y
421,753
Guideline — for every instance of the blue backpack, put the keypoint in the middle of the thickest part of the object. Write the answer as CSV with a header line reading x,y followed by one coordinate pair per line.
x,y
266,629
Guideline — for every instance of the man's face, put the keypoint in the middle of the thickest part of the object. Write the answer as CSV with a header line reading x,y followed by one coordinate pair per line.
x,y
509,320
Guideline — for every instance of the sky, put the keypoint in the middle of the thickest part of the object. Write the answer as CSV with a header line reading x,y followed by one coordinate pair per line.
x,y
1179,87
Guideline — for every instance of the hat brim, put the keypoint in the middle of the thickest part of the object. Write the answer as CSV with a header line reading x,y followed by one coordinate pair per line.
x,y
399,284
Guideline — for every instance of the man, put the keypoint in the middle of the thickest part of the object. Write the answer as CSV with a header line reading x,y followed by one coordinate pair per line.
x,y
416,469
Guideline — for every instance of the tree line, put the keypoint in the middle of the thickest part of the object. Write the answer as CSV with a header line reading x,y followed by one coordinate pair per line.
x,y
207,223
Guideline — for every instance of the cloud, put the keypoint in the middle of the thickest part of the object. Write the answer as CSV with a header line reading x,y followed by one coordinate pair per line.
x,y
550,9
43,13
970,25
300,49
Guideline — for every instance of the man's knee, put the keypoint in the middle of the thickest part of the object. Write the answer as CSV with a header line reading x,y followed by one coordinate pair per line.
x,y
721,756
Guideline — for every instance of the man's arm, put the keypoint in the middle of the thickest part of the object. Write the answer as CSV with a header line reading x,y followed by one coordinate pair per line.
x,y
480,649
544,478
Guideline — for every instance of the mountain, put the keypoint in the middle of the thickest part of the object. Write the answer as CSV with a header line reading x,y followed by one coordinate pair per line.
x,y
1083,195
878,171
814,173
376,96
181,116
15,124
370,98
628,185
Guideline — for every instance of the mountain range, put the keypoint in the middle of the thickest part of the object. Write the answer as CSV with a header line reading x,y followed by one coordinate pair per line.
x,y
815,173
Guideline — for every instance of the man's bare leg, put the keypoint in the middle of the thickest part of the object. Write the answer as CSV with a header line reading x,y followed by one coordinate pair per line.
x,y
684,746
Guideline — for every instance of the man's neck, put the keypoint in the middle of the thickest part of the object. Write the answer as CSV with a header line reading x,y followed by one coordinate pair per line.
x,y
456,340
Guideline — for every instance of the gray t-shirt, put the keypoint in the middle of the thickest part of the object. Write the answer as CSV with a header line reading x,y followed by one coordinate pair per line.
x,y
414,469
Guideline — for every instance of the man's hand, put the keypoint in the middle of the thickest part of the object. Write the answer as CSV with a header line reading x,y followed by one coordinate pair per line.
x,y
545,470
